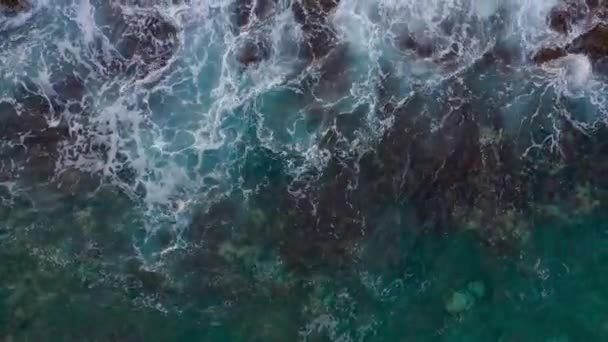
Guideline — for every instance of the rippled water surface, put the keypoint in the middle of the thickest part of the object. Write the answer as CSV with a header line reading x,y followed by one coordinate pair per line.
x,y
314,170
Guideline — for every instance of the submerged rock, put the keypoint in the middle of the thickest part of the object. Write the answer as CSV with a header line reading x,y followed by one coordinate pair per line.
x,y
319,36
145,41
34,132
477,288
422,46
252,51
30,143
459,302
463,300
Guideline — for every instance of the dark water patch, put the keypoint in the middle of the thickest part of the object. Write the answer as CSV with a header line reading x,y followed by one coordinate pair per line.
x,y
13,7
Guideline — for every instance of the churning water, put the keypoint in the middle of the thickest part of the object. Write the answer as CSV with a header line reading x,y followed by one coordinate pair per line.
x,y
349,170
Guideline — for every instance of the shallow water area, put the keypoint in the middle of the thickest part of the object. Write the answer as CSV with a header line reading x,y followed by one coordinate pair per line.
x,y
282,170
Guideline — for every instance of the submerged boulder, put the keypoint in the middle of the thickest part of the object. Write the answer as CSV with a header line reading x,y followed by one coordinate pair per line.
x,y
459,302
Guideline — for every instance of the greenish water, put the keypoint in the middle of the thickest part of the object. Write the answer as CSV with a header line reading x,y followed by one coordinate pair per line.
x,y
551,288
299,170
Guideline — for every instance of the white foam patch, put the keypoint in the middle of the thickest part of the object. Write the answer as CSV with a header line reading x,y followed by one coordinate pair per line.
x,y
574,70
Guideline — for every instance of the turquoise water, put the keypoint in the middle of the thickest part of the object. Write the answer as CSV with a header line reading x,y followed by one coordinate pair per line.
x,y
553,288
299,170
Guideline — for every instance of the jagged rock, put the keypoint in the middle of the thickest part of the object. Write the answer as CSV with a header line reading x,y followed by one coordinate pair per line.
x,y
548,54
593,43
565,15
14,6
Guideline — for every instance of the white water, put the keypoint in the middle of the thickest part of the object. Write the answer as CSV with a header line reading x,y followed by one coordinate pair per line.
x,y
178,127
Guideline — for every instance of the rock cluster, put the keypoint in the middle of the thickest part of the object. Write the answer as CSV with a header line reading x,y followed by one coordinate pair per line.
x,y
593,42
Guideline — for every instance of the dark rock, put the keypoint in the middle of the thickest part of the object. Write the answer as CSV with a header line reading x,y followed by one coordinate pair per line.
x,y
564,16
242,12
548,54
422,47
319,36
145,42
263,8
252,51
33,130
70,88
593,43
28,120
333,73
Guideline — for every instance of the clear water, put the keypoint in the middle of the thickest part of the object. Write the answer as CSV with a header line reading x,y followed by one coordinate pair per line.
x,y
177,171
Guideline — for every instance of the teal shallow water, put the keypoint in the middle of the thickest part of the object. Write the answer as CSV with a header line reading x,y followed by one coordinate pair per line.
x,y
552,288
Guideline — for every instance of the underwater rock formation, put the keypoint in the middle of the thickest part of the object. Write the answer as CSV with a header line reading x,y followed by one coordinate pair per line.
x,y
34,130
252,50
29,140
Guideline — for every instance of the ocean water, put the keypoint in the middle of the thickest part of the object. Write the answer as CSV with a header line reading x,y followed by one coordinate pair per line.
x,y
299,170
